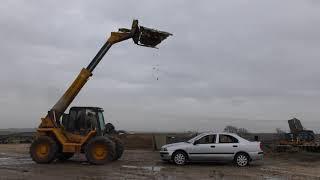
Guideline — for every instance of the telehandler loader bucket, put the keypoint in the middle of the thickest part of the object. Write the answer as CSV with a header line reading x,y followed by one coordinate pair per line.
x,y
144,36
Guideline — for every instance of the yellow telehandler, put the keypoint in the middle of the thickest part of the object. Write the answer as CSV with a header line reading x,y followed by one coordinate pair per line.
x,y
83,129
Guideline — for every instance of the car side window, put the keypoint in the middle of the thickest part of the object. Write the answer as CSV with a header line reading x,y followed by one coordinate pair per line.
x,y
223,138
208,139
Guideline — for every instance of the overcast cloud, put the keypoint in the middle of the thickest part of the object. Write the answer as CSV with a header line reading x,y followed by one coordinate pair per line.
x,y
252,64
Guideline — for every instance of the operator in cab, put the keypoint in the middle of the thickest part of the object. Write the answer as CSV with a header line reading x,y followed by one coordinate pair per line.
x,y
92,121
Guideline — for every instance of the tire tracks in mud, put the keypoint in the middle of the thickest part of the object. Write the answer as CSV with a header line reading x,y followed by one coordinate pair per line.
x,y
288,174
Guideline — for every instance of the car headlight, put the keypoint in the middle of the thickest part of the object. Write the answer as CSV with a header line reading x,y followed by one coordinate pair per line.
x,y
164,149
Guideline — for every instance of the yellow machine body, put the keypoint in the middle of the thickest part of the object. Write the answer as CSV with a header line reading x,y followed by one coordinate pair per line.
x,y
70,142
52,140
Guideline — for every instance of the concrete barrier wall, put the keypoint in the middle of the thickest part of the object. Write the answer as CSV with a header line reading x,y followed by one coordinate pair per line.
x,y
154,140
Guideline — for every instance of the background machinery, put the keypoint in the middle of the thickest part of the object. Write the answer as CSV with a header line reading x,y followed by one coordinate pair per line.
x,y
298,139
298,135
83,129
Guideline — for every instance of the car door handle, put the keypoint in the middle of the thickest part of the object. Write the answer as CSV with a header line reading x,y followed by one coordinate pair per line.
x,y
212,146
234,146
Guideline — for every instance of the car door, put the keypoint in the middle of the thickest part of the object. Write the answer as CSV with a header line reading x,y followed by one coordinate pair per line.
x,y
226,147
203,148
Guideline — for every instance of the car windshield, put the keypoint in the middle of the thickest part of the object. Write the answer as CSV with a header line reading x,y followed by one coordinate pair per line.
x,y
193,139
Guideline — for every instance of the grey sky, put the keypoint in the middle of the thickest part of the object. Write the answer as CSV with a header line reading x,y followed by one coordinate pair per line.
x,y
248,63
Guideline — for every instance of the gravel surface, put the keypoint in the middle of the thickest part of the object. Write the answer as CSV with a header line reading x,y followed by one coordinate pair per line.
x,y
15,163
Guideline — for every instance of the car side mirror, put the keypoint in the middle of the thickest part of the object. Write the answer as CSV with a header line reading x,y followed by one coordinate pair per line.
x,y
196,142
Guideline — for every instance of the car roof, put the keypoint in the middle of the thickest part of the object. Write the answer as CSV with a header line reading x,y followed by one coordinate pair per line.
x,y
210,132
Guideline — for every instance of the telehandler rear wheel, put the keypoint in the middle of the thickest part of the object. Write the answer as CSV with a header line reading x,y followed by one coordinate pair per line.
x,y
119,147
100,150
43,149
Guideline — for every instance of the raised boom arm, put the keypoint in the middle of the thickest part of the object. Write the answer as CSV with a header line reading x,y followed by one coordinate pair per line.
x,y
141,35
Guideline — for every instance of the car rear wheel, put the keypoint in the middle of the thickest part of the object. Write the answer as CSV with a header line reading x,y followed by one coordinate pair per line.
x,y
179,158
242,159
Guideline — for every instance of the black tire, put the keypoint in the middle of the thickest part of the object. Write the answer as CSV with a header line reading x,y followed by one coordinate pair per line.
x,y
43,150
179,158
109,128
242,159
63,156
100,150
119,147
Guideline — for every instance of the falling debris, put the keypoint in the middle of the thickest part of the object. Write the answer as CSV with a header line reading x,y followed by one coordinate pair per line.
x,y
155,72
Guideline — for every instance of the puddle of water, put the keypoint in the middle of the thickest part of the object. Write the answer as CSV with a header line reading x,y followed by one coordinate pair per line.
x,y
14,161
3,155
273,178
153,168
149,168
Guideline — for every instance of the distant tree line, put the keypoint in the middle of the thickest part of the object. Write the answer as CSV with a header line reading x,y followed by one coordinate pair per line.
x,y
236,130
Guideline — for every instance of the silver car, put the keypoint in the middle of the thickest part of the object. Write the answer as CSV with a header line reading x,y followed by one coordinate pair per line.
x,y
213,147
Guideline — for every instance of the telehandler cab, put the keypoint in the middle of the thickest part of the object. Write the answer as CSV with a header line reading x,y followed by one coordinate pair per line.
x,y
83,129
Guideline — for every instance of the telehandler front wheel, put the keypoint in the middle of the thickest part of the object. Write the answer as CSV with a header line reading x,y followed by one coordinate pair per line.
x,y
100,150
43,149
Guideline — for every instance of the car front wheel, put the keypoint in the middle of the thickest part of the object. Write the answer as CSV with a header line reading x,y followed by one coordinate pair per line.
x,y
242,159
179,158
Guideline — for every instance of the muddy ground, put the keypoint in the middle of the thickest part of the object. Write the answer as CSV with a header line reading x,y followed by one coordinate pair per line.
x,y
15,163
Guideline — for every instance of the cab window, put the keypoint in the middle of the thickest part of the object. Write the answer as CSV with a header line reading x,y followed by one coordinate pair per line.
x,y
223,138
101,121
208,139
